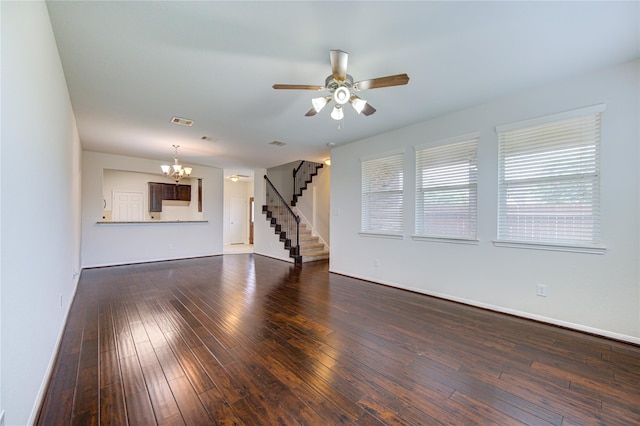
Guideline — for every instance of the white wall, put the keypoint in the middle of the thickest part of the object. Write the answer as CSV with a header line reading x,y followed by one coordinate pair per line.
x,y
114,244
596,293
40,228
282,178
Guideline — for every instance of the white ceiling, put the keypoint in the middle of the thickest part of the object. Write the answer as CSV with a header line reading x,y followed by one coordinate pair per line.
x,y
132,66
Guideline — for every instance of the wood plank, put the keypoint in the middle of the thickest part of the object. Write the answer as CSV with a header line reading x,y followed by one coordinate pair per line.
x,y
112,406
139,409
193,412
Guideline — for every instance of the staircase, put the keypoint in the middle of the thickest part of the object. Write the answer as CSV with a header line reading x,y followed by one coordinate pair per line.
x,y
303,176
303,246
310,246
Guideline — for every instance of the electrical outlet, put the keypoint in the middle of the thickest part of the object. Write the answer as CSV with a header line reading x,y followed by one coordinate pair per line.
x,y
376,263
60,298
542,290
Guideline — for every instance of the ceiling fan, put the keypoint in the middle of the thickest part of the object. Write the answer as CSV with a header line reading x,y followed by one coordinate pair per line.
x,y
341,85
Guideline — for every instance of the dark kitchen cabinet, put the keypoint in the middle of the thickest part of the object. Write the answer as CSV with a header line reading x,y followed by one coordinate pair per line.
x,y
166,191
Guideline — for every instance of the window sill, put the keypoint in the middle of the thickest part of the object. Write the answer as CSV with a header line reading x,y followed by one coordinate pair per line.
x,y
548,246
451,240
381,235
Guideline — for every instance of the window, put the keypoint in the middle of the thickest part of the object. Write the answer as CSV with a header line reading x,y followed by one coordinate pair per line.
x,y
446,189
549,180
382,195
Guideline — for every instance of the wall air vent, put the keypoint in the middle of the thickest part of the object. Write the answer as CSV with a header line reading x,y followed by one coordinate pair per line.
x,y
182,121
277,143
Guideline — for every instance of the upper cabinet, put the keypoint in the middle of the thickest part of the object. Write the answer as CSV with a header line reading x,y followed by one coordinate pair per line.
x,y
166,191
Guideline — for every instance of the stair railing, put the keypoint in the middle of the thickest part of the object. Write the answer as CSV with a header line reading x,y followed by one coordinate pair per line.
x,y
302,175
288,221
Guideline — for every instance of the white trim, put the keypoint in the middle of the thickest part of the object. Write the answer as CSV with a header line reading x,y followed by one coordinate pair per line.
x,y
551,118
499,309
381,235
158,259
453,240
284,259
548,246
454,139
52,361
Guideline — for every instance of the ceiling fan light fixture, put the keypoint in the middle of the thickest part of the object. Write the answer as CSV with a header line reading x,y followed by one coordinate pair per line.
x,y
358,104
341,95
337,113
319,103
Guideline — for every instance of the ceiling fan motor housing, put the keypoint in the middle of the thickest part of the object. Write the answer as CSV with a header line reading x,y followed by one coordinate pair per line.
x,y
331,84
341,95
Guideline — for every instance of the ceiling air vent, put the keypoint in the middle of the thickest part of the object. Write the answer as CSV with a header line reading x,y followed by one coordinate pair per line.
x,y
277,143
182,121
208,138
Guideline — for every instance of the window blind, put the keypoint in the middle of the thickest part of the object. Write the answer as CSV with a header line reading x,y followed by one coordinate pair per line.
x,y
446,190
549,183
382,196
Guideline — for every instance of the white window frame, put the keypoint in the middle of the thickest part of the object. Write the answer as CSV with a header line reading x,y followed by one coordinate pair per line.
x,y
554,212
447,186
378,172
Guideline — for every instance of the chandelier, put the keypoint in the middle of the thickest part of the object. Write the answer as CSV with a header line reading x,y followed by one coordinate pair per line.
x,y
176,171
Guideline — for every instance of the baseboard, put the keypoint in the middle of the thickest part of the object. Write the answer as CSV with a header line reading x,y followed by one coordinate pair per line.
x,y
52,362
137,262
521,314
284,259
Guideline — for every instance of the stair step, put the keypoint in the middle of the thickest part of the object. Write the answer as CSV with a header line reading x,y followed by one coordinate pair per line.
x,y
311,245
315,255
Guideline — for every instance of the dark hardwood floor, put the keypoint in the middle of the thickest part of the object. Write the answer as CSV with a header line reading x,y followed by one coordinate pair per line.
x,y
244,339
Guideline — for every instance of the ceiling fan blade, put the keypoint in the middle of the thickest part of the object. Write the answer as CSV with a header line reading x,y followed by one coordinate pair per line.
x,y
297,87
368,109
311,112
375,83
339,61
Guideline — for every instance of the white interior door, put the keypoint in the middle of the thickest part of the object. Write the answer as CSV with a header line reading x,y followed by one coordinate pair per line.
x,y
128,206
238,220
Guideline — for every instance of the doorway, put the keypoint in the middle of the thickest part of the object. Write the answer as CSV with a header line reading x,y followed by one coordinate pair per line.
x,y
251,218
238,220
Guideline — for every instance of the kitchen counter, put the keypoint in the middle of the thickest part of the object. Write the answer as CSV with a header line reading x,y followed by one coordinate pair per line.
x,y
104,222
